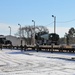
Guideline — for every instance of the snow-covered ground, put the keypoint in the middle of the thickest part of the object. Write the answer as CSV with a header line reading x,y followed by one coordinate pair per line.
x,y
15,62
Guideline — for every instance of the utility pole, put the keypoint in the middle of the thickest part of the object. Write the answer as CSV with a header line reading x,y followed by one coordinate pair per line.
x,y
34,30
20,29
54,23
20,34
10,29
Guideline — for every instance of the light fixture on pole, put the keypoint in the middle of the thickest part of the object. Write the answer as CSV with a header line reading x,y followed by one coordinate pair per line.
x,y
54,23
10,29
34,30
20,29
20,34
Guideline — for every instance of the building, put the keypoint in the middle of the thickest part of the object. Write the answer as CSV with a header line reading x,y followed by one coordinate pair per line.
x,y
16,41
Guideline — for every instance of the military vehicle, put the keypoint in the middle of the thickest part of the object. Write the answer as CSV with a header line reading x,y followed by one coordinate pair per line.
x,y
4,41
47,39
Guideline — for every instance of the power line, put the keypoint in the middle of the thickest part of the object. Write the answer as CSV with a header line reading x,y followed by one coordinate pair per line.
x,y
62,21
50,23
67,21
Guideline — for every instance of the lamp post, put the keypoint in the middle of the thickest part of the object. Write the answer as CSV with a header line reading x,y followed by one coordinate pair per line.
x,y
20,29
54,23
20,34
34,30
10,29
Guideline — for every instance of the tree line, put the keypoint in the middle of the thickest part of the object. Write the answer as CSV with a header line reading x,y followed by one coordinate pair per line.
x,y
69,38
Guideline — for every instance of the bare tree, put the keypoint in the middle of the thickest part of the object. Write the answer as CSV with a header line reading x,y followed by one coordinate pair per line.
x,y
28,32
71,31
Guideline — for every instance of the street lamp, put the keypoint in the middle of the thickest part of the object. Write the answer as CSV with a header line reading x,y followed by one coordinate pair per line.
x,y
20,34
34,30
54,23
20,30
10,29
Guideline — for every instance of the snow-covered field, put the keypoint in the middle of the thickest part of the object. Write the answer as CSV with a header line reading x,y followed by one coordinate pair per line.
x,y
15,62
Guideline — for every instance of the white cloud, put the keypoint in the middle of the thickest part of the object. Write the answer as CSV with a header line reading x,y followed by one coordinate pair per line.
x,y
4,29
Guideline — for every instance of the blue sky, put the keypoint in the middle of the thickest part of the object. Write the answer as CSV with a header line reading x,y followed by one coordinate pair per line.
x,y
13,12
